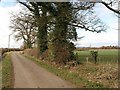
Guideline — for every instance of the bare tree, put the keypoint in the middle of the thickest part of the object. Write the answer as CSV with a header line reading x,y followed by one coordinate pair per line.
x,y
24,27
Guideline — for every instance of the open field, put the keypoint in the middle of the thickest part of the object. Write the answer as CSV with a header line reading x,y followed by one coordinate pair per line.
x,y
104,56
104,72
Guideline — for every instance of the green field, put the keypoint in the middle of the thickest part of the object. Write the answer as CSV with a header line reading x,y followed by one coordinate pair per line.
x,y
104,56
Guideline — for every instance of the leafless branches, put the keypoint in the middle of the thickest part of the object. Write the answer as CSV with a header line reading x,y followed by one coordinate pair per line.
x,y
24,26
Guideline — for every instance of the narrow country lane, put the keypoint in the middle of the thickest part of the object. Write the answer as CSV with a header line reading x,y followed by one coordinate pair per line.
x,y
29,75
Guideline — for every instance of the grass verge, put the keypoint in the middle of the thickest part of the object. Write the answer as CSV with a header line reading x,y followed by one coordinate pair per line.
x,y
66,74
7,72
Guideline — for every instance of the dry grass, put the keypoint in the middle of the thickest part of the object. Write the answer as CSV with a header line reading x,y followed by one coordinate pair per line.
x,y
32,52
105,74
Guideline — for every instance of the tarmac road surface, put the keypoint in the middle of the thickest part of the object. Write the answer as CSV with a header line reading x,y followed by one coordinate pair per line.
x,y
27,74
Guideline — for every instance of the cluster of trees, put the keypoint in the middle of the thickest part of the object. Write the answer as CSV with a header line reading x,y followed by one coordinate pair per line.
x,y
109,47
102,47
52,26
4,50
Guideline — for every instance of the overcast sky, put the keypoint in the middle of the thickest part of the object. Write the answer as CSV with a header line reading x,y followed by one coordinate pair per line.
x,y
110,37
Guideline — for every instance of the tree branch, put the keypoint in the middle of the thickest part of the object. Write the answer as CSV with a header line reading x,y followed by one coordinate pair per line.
x,y
25,5
84,27
107,5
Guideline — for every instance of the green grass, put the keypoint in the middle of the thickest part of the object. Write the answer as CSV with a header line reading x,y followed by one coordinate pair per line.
x,y
66,74
0,75
104,56
7,72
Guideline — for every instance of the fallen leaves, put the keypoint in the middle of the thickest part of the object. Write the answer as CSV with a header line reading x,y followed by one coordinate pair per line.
x,y
106,74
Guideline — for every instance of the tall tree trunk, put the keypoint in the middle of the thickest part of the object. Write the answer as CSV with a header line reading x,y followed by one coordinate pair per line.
x,y
42,30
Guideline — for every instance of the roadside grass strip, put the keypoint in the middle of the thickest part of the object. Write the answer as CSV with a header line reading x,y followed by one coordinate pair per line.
x,y
7,72
0,75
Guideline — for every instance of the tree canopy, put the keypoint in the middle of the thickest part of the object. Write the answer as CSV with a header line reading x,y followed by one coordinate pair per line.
x,y
56,23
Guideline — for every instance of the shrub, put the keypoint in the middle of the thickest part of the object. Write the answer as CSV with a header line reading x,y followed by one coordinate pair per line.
x,y
94,55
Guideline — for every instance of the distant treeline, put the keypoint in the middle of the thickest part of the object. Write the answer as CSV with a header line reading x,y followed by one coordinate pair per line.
x,y
3,50
103,47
